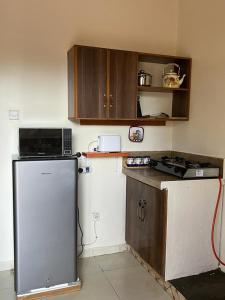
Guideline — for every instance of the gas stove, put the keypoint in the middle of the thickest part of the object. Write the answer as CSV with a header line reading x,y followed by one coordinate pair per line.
x,y
180,167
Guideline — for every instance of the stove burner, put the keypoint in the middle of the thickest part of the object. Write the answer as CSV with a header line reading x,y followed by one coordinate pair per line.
x,y
183,168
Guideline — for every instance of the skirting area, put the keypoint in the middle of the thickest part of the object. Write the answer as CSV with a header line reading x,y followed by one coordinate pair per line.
x,y
51,292
204,286
167,286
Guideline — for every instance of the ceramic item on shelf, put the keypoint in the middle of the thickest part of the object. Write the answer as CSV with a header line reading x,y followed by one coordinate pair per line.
x,y
146,160
130,161
171,79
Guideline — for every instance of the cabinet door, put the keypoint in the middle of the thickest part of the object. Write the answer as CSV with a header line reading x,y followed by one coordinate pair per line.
x,y
91,82
133,209
146,222
123,85
153,230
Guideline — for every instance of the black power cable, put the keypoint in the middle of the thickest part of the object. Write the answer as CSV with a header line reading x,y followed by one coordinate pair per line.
x,y
81,231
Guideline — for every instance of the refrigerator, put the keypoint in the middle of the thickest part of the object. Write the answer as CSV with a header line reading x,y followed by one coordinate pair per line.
x,y
45,223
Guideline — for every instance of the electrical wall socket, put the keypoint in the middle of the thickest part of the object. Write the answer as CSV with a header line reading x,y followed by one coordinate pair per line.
x,y
13,114
96,216
86,170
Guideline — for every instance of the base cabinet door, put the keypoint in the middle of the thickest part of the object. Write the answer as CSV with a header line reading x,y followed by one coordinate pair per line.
x,y
133,207
153,229
146,222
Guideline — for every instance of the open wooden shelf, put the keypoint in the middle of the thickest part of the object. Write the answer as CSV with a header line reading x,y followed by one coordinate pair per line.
x,y
104,154
160,89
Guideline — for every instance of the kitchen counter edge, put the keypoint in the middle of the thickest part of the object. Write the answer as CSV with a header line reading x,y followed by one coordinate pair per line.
x,y
149,176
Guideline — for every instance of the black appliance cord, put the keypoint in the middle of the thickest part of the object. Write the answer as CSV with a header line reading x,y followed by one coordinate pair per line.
x,y
81,231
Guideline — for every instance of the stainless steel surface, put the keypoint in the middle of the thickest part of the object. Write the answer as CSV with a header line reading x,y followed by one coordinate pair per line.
x,y
45,195
144,79
202,173
187,169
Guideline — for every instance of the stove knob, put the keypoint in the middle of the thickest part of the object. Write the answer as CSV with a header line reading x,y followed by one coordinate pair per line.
x,y
176,170
153,163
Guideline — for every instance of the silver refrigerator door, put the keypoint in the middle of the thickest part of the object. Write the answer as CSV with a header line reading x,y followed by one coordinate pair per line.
x,y
45,196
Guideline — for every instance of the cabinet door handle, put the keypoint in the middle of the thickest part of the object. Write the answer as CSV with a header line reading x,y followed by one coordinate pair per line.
x,y
138,209
105,100
143,210
111,101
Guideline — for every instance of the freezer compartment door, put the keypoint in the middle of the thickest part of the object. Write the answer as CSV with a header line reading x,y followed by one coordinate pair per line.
x,y
45,196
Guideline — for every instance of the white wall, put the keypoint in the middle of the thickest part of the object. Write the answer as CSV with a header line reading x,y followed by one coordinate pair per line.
x,y
35,36
201,36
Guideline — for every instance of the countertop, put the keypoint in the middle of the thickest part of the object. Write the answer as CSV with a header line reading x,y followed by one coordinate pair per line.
x,y
149,176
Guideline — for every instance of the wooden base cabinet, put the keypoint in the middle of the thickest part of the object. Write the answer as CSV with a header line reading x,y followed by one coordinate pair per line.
x,y
146,222
170,227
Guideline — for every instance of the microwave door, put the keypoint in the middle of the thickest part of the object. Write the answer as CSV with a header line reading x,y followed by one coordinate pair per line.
x,y
40,142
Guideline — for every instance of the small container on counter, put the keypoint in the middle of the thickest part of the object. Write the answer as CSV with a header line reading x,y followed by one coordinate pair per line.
x,y
137,161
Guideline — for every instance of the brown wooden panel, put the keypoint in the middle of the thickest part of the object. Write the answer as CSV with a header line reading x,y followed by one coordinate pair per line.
x,y
102,154
91,82
132,234
50,293
160,89
146,210
180,104
123,84
160,58
152,245
124,122
71,83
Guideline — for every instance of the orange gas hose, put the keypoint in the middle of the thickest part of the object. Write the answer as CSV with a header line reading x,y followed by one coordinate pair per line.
x,y
214,222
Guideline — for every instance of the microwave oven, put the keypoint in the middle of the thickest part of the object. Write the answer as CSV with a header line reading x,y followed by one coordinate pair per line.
x,y
41,142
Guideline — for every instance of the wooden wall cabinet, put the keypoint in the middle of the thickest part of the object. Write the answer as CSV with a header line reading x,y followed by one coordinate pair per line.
x,y
103,90
146,222
102,84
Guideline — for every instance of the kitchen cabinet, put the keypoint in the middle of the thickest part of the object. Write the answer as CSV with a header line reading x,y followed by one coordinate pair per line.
x,y
146,222
168,222
87,82
103,90
102,84
122,84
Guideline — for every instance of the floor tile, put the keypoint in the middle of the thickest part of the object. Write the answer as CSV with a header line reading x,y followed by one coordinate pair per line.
x,y
113,277
6,280
116,261
94,287
87,266
135,283
7,294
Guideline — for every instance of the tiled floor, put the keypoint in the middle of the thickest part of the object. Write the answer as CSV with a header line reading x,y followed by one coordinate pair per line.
x,y
107,277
